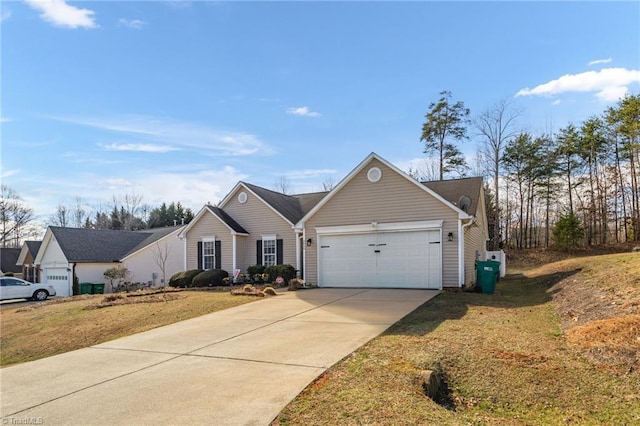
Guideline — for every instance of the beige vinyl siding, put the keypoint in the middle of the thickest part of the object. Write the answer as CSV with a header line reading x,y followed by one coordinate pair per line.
x,y
475,241
392,199
258,219
210,226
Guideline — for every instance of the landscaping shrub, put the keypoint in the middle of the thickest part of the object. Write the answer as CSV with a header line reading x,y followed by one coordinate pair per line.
x,y
210,278
255,269
183,279
287,272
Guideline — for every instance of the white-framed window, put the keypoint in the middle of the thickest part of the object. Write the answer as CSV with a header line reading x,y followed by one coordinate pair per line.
x,y
269,250
208,253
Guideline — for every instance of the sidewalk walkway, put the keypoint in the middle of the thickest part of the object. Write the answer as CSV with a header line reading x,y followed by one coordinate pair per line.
x,y
239,366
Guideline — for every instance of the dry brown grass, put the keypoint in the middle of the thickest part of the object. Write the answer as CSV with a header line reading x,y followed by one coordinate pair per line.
x,y
61,325
505,358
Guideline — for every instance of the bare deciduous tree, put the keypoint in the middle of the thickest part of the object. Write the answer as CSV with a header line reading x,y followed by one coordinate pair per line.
x,y
160,257
328,184
496,125
15,216
283,185
60,217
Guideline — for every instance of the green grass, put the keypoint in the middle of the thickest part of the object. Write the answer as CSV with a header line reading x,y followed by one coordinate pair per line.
x,y
58,326
504,356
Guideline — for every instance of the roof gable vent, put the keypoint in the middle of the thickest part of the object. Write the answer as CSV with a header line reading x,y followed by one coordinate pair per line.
x,y
374,174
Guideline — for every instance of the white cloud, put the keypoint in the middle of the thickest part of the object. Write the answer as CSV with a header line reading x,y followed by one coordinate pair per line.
x,y
599,61
303,111
140,147
609,84
6,173
309,173
177,134
556,102
5,14
136,24
4,119
61,14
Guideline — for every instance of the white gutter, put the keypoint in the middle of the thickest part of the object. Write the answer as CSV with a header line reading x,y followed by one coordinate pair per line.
x,y
72,266
233,247
184,250
304,253
298,236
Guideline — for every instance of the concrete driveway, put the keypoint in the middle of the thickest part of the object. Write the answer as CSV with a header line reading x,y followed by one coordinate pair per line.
x,y
240,366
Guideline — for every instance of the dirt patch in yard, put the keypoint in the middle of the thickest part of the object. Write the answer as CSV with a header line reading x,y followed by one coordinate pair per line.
x,y
600,306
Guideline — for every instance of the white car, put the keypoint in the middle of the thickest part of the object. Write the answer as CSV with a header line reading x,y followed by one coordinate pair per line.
x,y
15,288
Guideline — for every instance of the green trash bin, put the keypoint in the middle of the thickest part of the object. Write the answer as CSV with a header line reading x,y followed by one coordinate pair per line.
x,y
97,288
488,272
85,288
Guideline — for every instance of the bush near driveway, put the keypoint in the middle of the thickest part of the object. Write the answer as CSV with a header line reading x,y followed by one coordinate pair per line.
x,y
210,278
183,279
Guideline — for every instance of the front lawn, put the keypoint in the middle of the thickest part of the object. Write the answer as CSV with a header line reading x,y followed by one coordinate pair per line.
x,y
505,358
43,329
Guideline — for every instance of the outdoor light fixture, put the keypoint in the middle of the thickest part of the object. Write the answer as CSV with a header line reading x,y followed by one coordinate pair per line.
x,y
450,236
309,242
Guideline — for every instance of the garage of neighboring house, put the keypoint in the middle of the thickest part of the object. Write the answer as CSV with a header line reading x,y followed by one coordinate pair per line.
x,y
387,257
58,278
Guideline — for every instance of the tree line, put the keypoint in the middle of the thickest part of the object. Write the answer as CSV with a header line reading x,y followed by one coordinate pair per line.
x,y
127,212
577,186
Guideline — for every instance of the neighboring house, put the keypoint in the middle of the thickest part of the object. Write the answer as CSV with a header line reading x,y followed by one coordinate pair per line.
x,y
86,254
377,228
9,262
26,260
251,226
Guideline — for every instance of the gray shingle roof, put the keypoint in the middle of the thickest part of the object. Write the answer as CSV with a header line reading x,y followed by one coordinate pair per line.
x,y
309,201
453,189
154,234
33,247
8,260
292,207
103,245
223,216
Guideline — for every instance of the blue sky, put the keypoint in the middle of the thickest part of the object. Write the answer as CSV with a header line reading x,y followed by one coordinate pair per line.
x,y
178,100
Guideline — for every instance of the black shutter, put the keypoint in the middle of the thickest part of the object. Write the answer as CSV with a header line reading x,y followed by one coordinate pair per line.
x,y
199,254
259,252
218,263
279,252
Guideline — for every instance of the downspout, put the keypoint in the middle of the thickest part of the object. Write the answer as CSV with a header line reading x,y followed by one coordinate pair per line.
x,y
73,274
184,251
298,265
304,253
233,247
461,229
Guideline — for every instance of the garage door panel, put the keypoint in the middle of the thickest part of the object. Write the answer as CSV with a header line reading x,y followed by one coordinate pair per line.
x,y
385,259
58,278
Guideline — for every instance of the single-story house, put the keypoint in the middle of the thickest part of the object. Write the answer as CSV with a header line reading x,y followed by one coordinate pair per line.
x,y
86,254
26,261
250,226
378,227
9,261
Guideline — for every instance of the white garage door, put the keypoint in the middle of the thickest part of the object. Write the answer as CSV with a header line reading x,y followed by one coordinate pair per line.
x,y
58,278
410,259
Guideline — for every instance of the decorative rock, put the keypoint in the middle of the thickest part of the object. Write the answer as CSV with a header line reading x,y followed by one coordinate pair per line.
x,y
430,382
